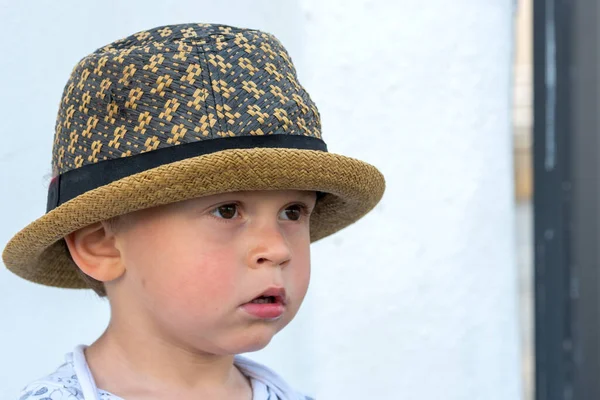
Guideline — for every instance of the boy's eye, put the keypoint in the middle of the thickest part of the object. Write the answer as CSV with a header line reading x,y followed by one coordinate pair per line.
x,y
226,211
293,212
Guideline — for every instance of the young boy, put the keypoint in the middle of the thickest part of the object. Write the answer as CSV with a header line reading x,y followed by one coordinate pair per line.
x,y
190,178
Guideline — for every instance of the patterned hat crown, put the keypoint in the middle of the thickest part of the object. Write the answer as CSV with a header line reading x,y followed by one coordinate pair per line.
x,y
174,85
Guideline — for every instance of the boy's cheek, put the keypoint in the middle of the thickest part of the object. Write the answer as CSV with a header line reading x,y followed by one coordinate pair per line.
x,y
196,279
297,280
302,283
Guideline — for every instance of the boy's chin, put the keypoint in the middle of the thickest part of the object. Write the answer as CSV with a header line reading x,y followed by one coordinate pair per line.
x,y
251,339
253,347
254,342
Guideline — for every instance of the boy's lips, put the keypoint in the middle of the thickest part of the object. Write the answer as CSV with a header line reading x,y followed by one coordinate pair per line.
x,y
270,304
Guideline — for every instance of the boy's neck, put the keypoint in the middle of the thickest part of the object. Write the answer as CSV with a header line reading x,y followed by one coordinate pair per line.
x,y
134,365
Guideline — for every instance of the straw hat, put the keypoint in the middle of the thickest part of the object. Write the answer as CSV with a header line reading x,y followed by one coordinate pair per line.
x,y
178,112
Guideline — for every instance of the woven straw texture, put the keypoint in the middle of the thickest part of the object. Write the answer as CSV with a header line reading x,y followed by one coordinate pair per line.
x,y
174,85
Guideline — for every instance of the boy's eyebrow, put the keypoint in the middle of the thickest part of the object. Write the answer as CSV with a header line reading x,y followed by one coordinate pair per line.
x,y
301,194
307,194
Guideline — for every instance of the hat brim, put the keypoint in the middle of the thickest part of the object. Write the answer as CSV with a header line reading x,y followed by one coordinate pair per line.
x,y
38,253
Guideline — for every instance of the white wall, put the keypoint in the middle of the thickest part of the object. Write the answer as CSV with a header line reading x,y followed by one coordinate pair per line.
x,y
419,298
416,301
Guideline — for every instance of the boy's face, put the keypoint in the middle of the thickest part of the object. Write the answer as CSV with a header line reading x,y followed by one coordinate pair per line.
x,y
190,268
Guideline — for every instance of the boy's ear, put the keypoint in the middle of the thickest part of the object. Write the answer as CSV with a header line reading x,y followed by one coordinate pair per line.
x,y
94,250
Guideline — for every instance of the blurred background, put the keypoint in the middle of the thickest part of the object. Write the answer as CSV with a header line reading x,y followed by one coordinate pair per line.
x,y
431,296
522,119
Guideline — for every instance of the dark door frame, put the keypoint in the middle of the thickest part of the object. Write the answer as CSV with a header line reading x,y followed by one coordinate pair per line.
x,y
566,199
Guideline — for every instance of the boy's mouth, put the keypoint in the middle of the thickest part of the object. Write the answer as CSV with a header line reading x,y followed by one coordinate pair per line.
x,y
270,305
264,300
274,295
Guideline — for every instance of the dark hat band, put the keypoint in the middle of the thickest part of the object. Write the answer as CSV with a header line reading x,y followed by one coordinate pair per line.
x,y
73,183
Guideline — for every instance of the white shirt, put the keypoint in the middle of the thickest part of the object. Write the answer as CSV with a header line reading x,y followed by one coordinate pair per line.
x,y
74,381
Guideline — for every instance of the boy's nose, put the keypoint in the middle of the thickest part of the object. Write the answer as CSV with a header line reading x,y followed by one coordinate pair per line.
x,y
268,247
